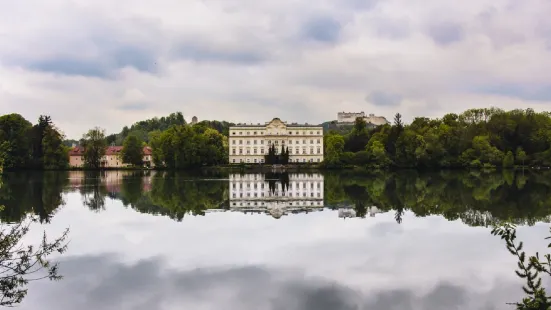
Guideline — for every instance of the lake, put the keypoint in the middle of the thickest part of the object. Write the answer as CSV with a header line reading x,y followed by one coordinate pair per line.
x,y
281,241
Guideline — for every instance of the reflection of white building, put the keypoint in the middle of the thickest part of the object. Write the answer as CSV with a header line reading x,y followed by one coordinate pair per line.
x,y
252,193
249,143
350,212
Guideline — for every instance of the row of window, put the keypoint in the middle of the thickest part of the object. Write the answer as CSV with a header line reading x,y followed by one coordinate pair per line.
x,y
276,194
262,151
292,185
298,203
276,142
261,161
255,133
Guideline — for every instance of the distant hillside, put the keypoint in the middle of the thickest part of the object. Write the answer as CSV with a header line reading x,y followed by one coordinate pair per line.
x,y
143,128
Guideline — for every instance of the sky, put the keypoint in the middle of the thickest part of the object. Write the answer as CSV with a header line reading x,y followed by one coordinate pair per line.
x,y
112,63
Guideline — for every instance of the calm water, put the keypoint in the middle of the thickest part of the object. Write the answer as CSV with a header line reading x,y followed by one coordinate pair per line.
x,y
280,241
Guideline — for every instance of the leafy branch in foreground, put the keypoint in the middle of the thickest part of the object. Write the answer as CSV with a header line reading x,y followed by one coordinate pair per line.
x,y
21,264
528,268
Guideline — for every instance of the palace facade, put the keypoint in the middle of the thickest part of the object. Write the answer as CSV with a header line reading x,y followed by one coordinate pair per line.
x,y
249,143
277,196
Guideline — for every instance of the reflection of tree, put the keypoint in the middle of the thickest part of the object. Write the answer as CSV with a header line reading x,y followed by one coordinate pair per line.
x,y
21,263
93,190
476,198
176,194
37,193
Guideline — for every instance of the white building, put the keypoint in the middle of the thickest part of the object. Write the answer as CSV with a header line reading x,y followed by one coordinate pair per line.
x,y
350,117
252,193
249,143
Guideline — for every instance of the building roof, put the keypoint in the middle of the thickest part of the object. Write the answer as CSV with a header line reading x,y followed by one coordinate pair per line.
x,y
76,151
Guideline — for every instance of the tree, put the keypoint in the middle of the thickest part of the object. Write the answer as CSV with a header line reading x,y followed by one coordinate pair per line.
x,y
94,144
14,132
334,148
508,160
132,151
54,153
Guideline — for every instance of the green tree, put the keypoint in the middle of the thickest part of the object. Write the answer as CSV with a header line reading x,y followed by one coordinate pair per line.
x,y
14,134
508,160
132,151
334,147
54,153
94,144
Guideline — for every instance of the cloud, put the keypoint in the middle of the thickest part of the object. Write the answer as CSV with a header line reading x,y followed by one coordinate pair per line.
x,y
105,282
445,33
379,98
196,52
322,29
203,57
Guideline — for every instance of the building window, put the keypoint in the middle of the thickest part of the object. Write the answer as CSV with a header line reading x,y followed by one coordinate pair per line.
x,y
254,151
233,133
311,141
254,141
319,141
240,141
248,151
261,141
261,151
240,151
248,142
240,133
304,141
297,132
311,151
318,132
319,150
318,160
290,132
233,195
311,132
255,133
233,151
269,141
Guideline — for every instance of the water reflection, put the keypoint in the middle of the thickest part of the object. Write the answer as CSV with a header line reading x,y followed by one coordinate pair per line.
x,y
171,240
276,193
477,199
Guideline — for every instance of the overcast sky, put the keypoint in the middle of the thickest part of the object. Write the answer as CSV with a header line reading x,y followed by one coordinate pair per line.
x,y
111,63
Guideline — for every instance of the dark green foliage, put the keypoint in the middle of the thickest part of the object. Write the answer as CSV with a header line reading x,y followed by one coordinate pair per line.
x,y
529,269
476,138
14,137
26,146
132,151
508,160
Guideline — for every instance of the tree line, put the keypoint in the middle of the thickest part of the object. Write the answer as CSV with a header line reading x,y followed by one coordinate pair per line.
x,y
24,145
475,138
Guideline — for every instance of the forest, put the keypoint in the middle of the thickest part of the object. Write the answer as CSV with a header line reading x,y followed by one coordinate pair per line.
x,y
476,138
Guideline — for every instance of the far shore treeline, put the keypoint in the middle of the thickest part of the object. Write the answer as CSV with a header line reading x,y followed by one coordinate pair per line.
x,y
477,138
